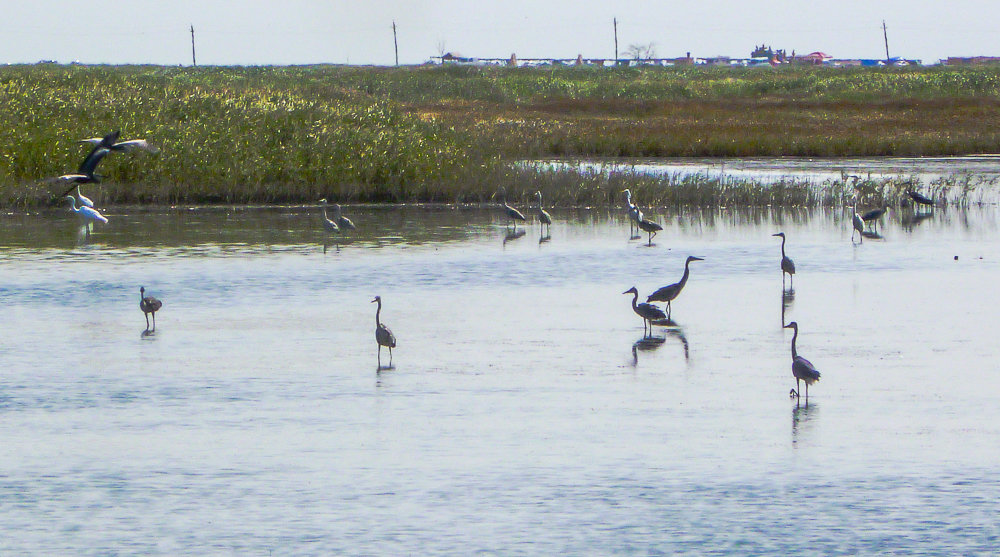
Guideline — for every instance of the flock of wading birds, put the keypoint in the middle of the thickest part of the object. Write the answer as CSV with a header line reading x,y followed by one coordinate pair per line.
x,y
802,369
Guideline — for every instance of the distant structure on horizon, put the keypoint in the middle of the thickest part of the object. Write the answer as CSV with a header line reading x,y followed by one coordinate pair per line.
x,y
765,57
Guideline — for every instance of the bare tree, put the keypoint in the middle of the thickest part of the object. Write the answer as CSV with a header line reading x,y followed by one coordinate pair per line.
x,y
641,51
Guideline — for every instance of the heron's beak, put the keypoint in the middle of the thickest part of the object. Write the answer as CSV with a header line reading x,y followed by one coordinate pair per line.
x,y
697,258
373,301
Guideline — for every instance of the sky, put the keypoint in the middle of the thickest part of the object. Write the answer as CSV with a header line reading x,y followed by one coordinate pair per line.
x,y
259,32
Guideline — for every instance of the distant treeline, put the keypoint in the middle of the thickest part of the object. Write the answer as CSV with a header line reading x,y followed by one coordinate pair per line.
x,y
363,134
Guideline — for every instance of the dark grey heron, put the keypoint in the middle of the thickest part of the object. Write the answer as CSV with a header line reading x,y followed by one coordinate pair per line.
x,y
873,216
86,173
383,336
513,214
648,312
920,199
634,213
650,228
668,293
787,265
802,369
148,305
543,217
329,225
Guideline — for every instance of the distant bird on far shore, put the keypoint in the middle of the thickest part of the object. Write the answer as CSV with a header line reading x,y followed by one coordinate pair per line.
x,y
669,293
857,223
149,306
787,265
343,223
543,216
511,213
920,199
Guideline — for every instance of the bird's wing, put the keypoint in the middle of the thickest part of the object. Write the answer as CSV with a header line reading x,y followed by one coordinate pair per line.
x,y
385,336
91,140
95,156
345,222
75,178
662,294
651,311
514,213
133,144
804,368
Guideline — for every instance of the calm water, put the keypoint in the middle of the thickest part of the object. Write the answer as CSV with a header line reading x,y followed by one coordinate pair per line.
x,y
518,419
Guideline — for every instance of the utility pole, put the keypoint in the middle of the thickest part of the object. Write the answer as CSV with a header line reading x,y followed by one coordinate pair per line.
x,y
885,35
395,43
616,40
194,61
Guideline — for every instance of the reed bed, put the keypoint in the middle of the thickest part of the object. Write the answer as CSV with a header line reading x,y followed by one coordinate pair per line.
x,y
454,134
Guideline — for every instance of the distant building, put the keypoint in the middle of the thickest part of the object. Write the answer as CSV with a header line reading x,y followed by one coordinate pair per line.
x,y
971,60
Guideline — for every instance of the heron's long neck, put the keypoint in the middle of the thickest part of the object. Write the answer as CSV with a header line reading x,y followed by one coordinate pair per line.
x,y
782,246
336,212
795,336
635,298
72,204
687,271
379,311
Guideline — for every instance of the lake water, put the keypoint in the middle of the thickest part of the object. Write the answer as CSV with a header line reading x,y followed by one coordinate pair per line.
x,y
525,413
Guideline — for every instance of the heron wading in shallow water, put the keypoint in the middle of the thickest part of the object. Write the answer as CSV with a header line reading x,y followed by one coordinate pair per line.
x,y
668,293
648,312
634,213
513,214
149,306
543,216
787,265
88,214
383,336
802,369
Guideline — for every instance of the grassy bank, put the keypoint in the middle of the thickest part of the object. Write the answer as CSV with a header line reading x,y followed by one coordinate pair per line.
x,y
295,134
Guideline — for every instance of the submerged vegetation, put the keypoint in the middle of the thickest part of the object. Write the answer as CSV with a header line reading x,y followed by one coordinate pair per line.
x,y
451,134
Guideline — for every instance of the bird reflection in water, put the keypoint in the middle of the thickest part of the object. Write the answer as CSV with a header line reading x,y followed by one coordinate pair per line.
x,y
872,235
671,329
801,417
787,299
512,235
646,344
909,222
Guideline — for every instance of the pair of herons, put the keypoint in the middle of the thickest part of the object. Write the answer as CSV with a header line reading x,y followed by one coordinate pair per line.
x,y
87,172
871,218
513,215
638,222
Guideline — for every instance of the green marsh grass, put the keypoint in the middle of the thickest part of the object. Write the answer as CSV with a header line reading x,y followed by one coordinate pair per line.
x,y
454,134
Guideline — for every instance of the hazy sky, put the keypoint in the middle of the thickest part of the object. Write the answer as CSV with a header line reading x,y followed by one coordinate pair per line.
x,y
360,32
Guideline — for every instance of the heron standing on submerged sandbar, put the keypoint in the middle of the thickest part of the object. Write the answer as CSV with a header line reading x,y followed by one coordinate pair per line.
x,y
383,336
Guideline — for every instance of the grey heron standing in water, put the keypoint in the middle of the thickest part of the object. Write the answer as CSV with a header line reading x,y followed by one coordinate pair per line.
x,y
874,215
648,312
668,293
513,214
543,216
383,336
343,223
149,306
787,265
650,228
802,369
858,223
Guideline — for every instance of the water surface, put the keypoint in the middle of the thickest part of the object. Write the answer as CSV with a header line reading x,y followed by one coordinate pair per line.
x,y
525,413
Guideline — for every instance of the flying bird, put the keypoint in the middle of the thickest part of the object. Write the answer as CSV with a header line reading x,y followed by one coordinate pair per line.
x,y
668,293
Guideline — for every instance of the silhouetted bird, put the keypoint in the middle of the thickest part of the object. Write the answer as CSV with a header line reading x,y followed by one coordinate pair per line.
x,y
543,217
648,312
802,369
149,306
650,228
513,214
919,199
668,293
787,265
873,216
383,336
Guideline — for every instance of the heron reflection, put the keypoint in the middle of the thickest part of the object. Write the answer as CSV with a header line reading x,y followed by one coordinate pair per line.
x,y
646,344
801,416
909,222
512,235
787,299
